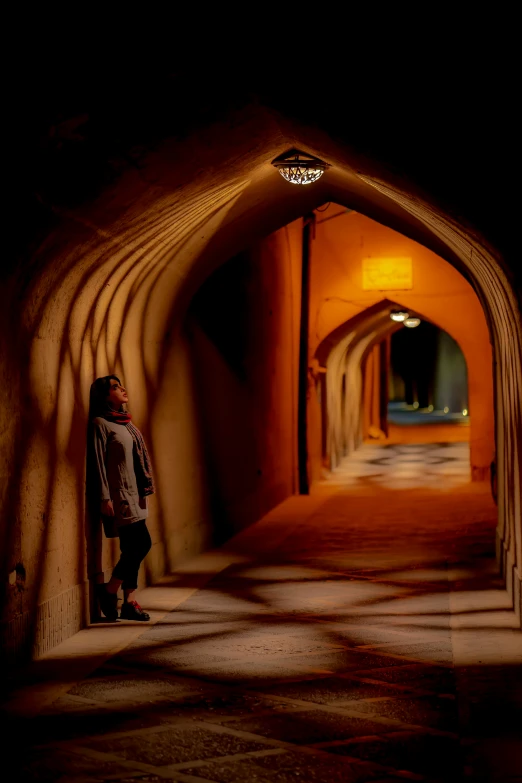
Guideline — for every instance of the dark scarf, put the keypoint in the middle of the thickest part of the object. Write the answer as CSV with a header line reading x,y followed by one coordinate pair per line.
x,y
142,465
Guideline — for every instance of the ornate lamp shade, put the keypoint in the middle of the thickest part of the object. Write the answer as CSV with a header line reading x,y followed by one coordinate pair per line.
x,y
300,169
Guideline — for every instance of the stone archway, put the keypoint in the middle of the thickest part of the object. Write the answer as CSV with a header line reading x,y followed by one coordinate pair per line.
x,y
106,290
342,354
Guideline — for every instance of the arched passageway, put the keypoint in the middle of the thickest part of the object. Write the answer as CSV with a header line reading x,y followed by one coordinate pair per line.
x,y
343,307
356,356
428,370
108,289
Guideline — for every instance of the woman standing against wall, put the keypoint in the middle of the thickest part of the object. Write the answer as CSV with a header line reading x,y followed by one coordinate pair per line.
x,y
122,467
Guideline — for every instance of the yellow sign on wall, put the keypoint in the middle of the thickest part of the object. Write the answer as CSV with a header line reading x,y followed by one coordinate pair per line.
x,y
387,274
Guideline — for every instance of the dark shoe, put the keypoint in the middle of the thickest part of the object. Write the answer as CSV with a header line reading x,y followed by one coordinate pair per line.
x,y
108,603
131,610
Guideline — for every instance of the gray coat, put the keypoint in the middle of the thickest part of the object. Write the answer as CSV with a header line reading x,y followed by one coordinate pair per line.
x,y
113,448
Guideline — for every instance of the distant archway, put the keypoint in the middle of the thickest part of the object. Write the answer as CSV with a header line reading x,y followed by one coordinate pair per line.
x,y
342,355
428,370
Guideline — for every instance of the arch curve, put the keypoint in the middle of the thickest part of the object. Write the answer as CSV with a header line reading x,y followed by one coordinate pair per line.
x,y
341,356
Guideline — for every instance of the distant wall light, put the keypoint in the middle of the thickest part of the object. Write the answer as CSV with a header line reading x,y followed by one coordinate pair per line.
x,y
446,409
399,315
411,323
299,168
465,412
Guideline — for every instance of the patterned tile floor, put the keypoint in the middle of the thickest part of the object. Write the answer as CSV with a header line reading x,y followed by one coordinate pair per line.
x,y
359,635
404,466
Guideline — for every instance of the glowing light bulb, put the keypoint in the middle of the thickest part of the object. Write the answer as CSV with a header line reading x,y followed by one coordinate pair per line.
x,y
399,315
446,410
411,323
415,405
465,412
430,408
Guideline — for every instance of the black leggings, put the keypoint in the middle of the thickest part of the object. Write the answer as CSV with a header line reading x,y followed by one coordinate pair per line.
x,y
134,544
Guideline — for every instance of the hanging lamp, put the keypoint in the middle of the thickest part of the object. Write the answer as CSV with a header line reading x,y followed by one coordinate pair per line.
x,y
300,168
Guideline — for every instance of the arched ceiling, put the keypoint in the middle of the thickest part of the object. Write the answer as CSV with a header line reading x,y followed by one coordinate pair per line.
x,y
203,199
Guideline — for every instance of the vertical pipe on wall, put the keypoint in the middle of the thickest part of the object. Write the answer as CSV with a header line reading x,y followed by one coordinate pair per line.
x,y
302,445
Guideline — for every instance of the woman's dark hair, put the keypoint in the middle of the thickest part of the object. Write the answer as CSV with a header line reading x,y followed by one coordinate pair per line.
x,y
98,397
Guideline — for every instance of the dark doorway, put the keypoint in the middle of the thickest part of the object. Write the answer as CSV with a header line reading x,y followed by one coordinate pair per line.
x,y
428,375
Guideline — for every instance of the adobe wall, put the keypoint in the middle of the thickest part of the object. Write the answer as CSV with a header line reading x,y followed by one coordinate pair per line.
x,y
244,335
222,437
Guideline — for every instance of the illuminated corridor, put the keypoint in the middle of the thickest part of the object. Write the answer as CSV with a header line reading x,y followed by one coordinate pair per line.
x,y
357,634
304,284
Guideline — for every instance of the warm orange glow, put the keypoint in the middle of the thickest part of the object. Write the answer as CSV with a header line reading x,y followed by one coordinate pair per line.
x,y
387,274
439,294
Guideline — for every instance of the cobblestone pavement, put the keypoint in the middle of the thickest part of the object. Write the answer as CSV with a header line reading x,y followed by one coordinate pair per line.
x,y
360,634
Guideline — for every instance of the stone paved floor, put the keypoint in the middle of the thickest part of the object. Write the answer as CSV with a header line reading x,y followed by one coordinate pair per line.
x,y
360,634
404,466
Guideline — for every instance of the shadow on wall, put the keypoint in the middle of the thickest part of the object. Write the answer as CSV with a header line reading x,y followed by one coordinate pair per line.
x,y
63,541
120,315
88,322
80,321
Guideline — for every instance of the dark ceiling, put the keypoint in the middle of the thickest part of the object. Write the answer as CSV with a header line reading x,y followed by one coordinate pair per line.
x,y
433,101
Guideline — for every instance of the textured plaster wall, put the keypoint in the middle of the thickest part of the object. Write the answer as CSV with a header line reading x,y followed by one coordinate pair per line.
x,y
439,293
244,332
